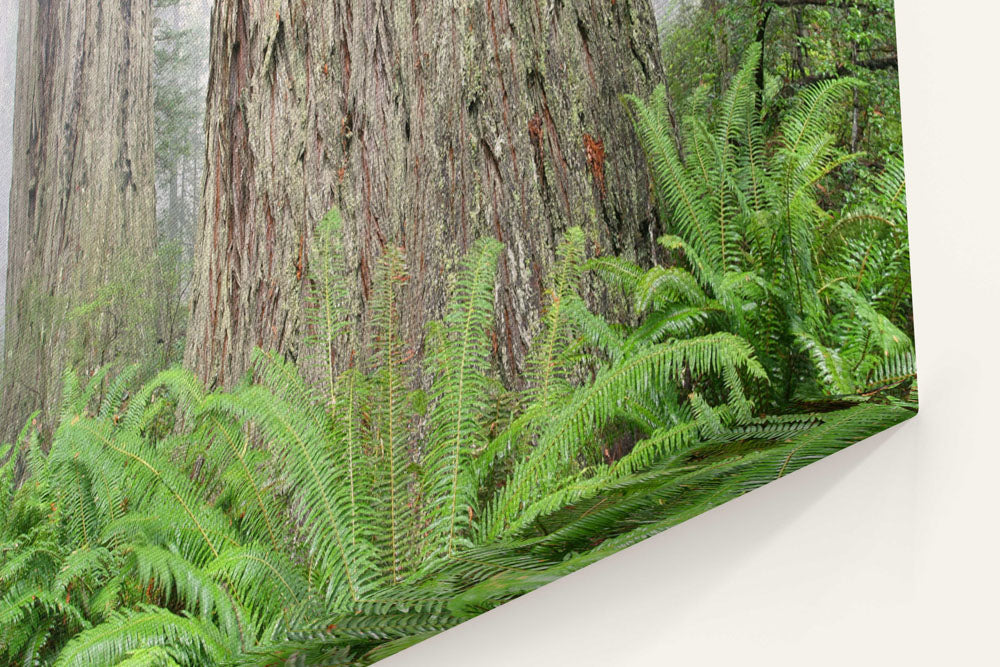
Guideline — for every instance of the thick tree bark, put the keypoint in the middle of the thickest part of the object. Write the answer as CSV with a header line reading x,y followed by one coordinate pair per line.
x,y
82,190
429,124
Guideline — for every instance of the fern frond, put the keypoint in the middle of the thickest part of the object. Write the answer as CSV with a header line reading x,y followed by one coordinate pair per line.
x,y
682,194
329,328
596,332
152,656
394,481
738,103
264,582
616,271
179,579
594,404
459,394
898,367
545,367
198,642
353,442
153,477
660,286
810,119
315,478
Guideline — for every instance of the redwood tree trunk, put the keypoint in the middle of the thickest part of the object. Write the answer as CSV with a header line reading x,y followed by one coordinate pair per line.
x,y
429,124
82,191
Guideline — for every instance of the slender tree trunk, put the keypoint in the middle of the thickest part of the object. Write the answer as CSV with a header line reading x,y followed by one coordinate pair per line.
x,y
429,124
82,189
799,50
855,111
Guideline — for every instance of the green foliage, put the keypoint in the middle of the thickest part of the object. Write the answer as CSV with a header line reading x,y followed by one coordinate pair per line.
x,y
339,511
760,254
461,367
704,44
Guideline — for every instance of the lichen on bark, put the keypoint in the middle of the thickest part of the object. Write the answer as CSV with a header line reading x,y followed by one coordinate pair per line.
x,y
429,124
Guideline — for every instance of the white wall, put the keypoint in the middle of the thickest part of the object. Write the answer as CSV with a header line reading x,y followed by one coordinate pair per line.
x,y
884,554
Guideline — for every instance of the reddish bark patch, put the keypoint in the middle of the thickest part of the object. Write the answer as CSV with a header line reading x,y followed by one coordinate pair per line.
x,y
595,159
300,261
537,133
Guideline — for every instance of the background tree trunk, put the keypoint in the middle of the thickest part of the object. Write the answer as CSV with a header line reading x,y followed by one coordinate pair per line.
x,y
82,201
429,124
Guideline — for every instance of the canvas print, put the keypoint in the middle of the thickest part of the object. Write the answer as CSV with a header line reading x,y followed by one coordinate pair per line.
x,y
332,324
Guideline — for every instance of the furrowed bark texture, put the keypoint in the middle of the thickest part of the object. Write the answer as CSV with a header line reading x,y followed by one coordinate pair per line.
x,y
82,190
429,124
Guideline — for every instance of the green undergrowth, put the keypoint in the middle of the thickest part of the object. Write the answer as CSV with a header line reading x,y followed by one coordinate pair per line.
x,y
341,517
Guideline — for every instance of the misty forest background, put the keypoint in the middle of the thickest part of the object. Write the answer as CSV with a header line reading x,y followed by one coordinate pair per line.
x,y
331,325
